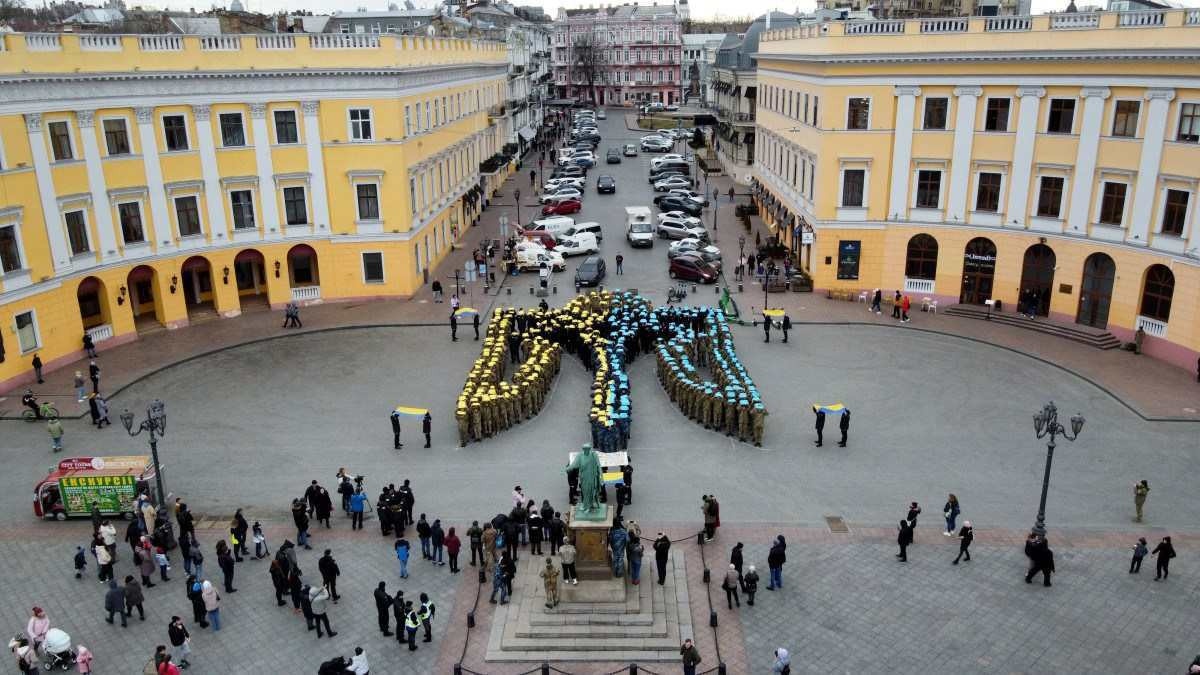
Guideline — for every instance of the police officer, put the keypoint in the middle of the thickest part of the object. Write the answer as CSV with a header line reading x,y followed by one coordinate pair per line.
x,y
411,623
426,616
383,606
396,429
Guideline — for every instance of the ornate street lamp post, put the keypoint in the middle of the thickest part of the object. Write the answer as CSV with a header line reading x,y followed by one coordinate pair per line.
x,y
1045,423
156,424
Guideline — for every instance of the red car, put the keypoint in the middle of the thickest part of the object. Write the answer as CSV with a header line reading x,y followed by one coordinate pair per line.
x,y
562,208
692,268
542,237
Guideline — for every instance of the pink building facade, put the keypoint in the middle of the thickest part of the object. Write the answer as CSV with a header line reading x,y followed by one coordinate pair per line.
x,y
640,54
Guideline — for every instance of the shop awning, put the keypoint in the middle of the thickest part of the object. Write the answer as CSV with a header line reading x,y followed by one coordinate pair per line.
x,y
751,92
526,133
737,90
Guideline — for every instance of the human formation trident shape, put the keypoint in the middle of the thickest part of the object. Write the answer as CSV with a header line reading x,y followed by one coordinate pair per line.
x,y
608,330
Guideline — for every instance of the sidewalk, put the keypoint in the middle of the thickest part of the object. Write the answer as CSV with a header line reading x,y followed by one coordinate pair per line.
x,y
1152,389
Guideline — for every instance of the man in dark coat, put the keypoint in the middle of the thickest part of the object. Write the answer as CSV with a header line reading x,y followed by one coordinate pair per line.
x,y
844,425
904,538
329,573
475,325
820,426
965,536
766,326
395,417
453,328
407,501
558,530
114,602
427,426
775,560
383,606
662,548
787,325
398,613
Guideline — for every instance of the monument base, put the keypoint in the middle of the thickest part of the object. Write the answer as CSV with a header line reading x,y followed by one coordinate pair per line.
x,y
592,558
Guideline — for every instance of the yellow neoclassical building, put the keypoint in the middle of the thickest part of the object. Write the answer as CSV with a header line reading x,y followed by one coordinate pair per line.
x,y
148,181
1051,161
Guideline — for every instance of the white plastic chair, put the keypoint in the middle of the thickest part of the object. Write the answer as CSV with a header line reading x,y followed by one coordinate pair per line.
x,y
862,296
933,306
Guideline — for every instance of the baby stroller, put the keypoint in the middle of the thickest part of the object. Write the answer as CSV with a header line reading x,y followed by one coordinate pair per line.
x,y
57,651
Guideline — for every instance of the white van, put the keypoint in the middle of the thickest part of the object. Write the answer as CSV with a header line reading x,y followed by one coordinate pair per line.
x,y
554,224
639,229
579,228
532,257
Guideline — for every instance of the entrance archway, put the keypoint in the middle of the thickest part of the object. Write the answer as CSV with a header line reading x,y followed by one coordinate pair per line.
x,y
142,289
93,304
196,283
250,273
920,264
1095,294
1037,280
1158,289
303,274
979,267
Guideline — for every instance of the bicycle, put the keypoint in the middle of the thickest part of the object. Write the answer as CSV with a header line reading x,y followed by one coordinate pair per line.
x,y
47,410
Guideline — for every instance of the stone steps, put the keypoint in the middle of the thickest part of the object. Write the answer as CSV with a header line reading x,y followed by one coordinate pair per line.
x,y
653,620
1093,337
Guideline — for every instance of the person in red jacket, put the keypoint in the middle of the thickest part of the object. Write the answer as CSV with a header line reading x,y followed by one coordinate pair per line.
x,y
453,544
904,306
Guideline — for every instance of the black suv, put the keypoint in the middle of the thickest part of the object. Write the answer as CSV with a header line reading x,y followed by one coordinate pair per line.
x,y
676,203
606,185
590,272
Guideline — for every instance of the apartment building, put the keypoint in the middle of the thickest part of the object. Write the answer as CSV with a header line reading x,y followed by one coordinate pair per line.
x,y
619,54
149,181
1050,160
528,48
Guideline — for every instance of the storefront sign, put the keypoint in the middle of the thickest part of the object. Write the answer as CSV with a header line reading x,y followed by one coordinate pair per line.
x,y
848,255
807,238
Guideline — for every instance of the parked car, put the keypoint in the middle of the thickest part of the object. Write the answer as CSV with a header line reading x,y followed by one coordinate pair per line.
x,y
591,271
631,150
584,159
679,218
672,183
675,203
577,244
554,224
656,176
654,137
532,259
697,197
692,268
601,115
606,185
671,108
613,156
568,172
639,230
562,208
669,229
589,227
656,146
560,193
555,183
670,156
710,253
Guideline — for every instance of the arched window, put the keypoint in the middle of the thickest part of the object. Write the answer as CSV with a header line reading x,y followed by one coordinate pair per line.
x,y
921,261
1157,291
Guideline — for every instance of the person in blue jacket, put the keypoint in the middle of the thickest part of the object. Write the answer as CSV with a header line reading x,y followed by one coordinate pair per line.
x,y
358,503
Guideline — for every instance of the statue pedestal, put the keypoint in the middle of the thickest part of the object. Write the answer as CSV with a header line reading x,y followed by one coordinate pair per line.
x,y
592,558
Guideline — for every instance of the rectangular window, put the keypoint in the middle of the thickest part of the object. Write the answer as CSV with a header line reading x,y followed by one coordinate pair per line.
x,y
77,232
806,108
816,120
368,201
1062,116
175,132
1112,203
995,118
286,131
853,181
929,189
1125,118
408,121
428,117
187,214
295,210
1050,197
130,215
27,336
372,267
1189,123
987,195
360,124
935,112
60,141
116,137
10,250
412,194
242,203
1174,212
858,113
233,135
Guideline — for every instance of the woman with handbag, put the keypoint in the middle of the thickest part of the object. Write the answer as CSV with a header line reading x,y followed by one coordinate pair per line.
x,y
951,511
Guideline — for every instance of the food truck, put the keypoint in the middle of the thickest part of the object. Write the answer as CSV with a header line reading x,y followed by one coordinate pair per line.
x,y
114,483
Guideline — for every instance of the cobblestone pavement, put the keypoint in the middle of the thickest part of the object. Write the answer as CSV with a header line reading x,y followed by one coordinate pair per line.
x,y
250,426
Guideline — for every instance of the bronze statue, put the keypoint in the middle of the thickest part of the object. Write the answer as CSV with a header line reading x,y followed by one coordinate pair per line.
x,y
588,465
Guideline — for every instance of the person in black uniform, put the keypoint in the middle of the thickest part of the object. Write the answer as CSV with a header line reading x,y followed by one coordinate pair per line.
x,y
475,325
395,416
427,426
662,548
787,325
844,425
453,328
766,328
383,606
820,426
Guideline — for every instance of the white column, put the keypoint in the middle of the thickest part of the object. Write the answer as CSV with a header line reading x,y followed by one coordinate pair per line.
x,y
163,236
1147,179
1022,164
960,163
95,173
906,103
316,165
210,173
1085,158
267,192
60,254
